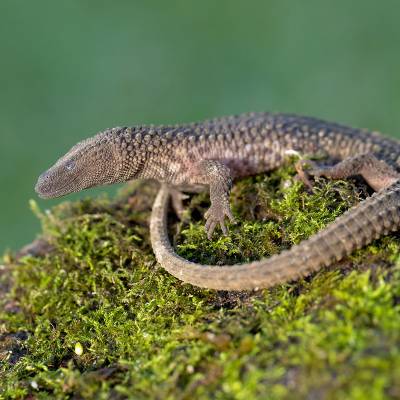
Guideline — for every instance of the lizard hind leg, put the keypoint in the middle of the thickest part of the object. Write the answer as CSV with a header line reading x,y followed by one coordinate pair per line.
x,y
377,173
303,174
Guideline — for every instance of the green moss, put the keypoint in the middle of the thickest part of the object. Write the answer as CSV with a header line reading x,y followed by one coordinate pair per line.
x,y
95,317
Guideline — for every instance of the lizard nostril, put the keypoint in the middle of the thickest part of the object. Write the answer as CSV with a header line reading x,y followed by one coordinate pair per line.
x,y
44,177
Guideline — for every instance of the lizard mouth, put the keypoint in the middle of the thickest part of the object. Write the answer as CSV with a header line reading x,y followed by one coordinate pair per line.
x,y
47,195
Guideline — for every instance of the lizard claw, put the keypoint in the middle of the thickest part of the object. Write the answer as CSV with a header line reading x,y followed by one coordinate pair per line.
x,y
216,214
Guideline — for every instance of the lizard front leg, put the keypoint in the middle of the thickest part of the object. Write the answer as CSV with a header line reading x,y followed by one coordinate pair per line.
x,y
218,177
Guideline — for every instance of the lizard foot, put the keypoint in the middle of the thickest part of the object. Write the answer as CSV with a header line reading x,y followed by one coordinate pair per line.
x,y
216,215
304,172
177,198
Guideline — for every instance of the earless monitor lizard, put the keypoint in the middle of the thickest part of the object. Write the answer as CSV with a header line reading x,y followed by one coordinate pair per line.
x,y
213,153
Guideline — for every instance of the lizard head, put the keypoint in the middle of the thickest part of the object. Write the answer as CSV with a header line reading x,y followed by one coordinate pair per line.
x,y
92,162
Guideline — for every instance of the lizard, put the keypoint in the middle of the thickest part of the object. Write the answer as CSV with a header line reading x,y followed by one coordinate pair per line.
x,y
211,154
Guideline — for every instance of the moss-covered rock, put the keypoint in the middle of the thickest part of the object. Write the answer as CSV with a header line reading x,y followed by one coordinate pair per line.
x,y
88,313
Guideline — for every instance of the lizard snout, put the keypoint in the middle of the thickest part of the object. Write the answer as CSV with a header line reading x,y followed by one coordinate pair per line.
x,y
42,184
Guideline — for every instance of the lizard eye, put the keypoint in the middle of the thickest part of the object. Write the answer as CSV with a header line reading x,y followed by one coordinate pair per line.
x,y
69,166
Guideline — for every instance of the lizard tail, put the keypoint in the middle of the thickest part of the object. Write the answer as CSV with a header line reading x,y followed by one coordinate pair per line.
x,y
374,217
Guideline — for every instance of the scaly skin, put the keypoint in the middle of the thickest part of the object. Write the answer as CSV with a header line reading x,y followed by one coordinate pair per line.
x,y
213,153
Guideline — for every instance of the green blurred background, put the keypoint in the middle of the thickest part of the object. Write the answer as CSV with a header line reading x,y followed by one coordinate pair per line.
x,y
71,68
